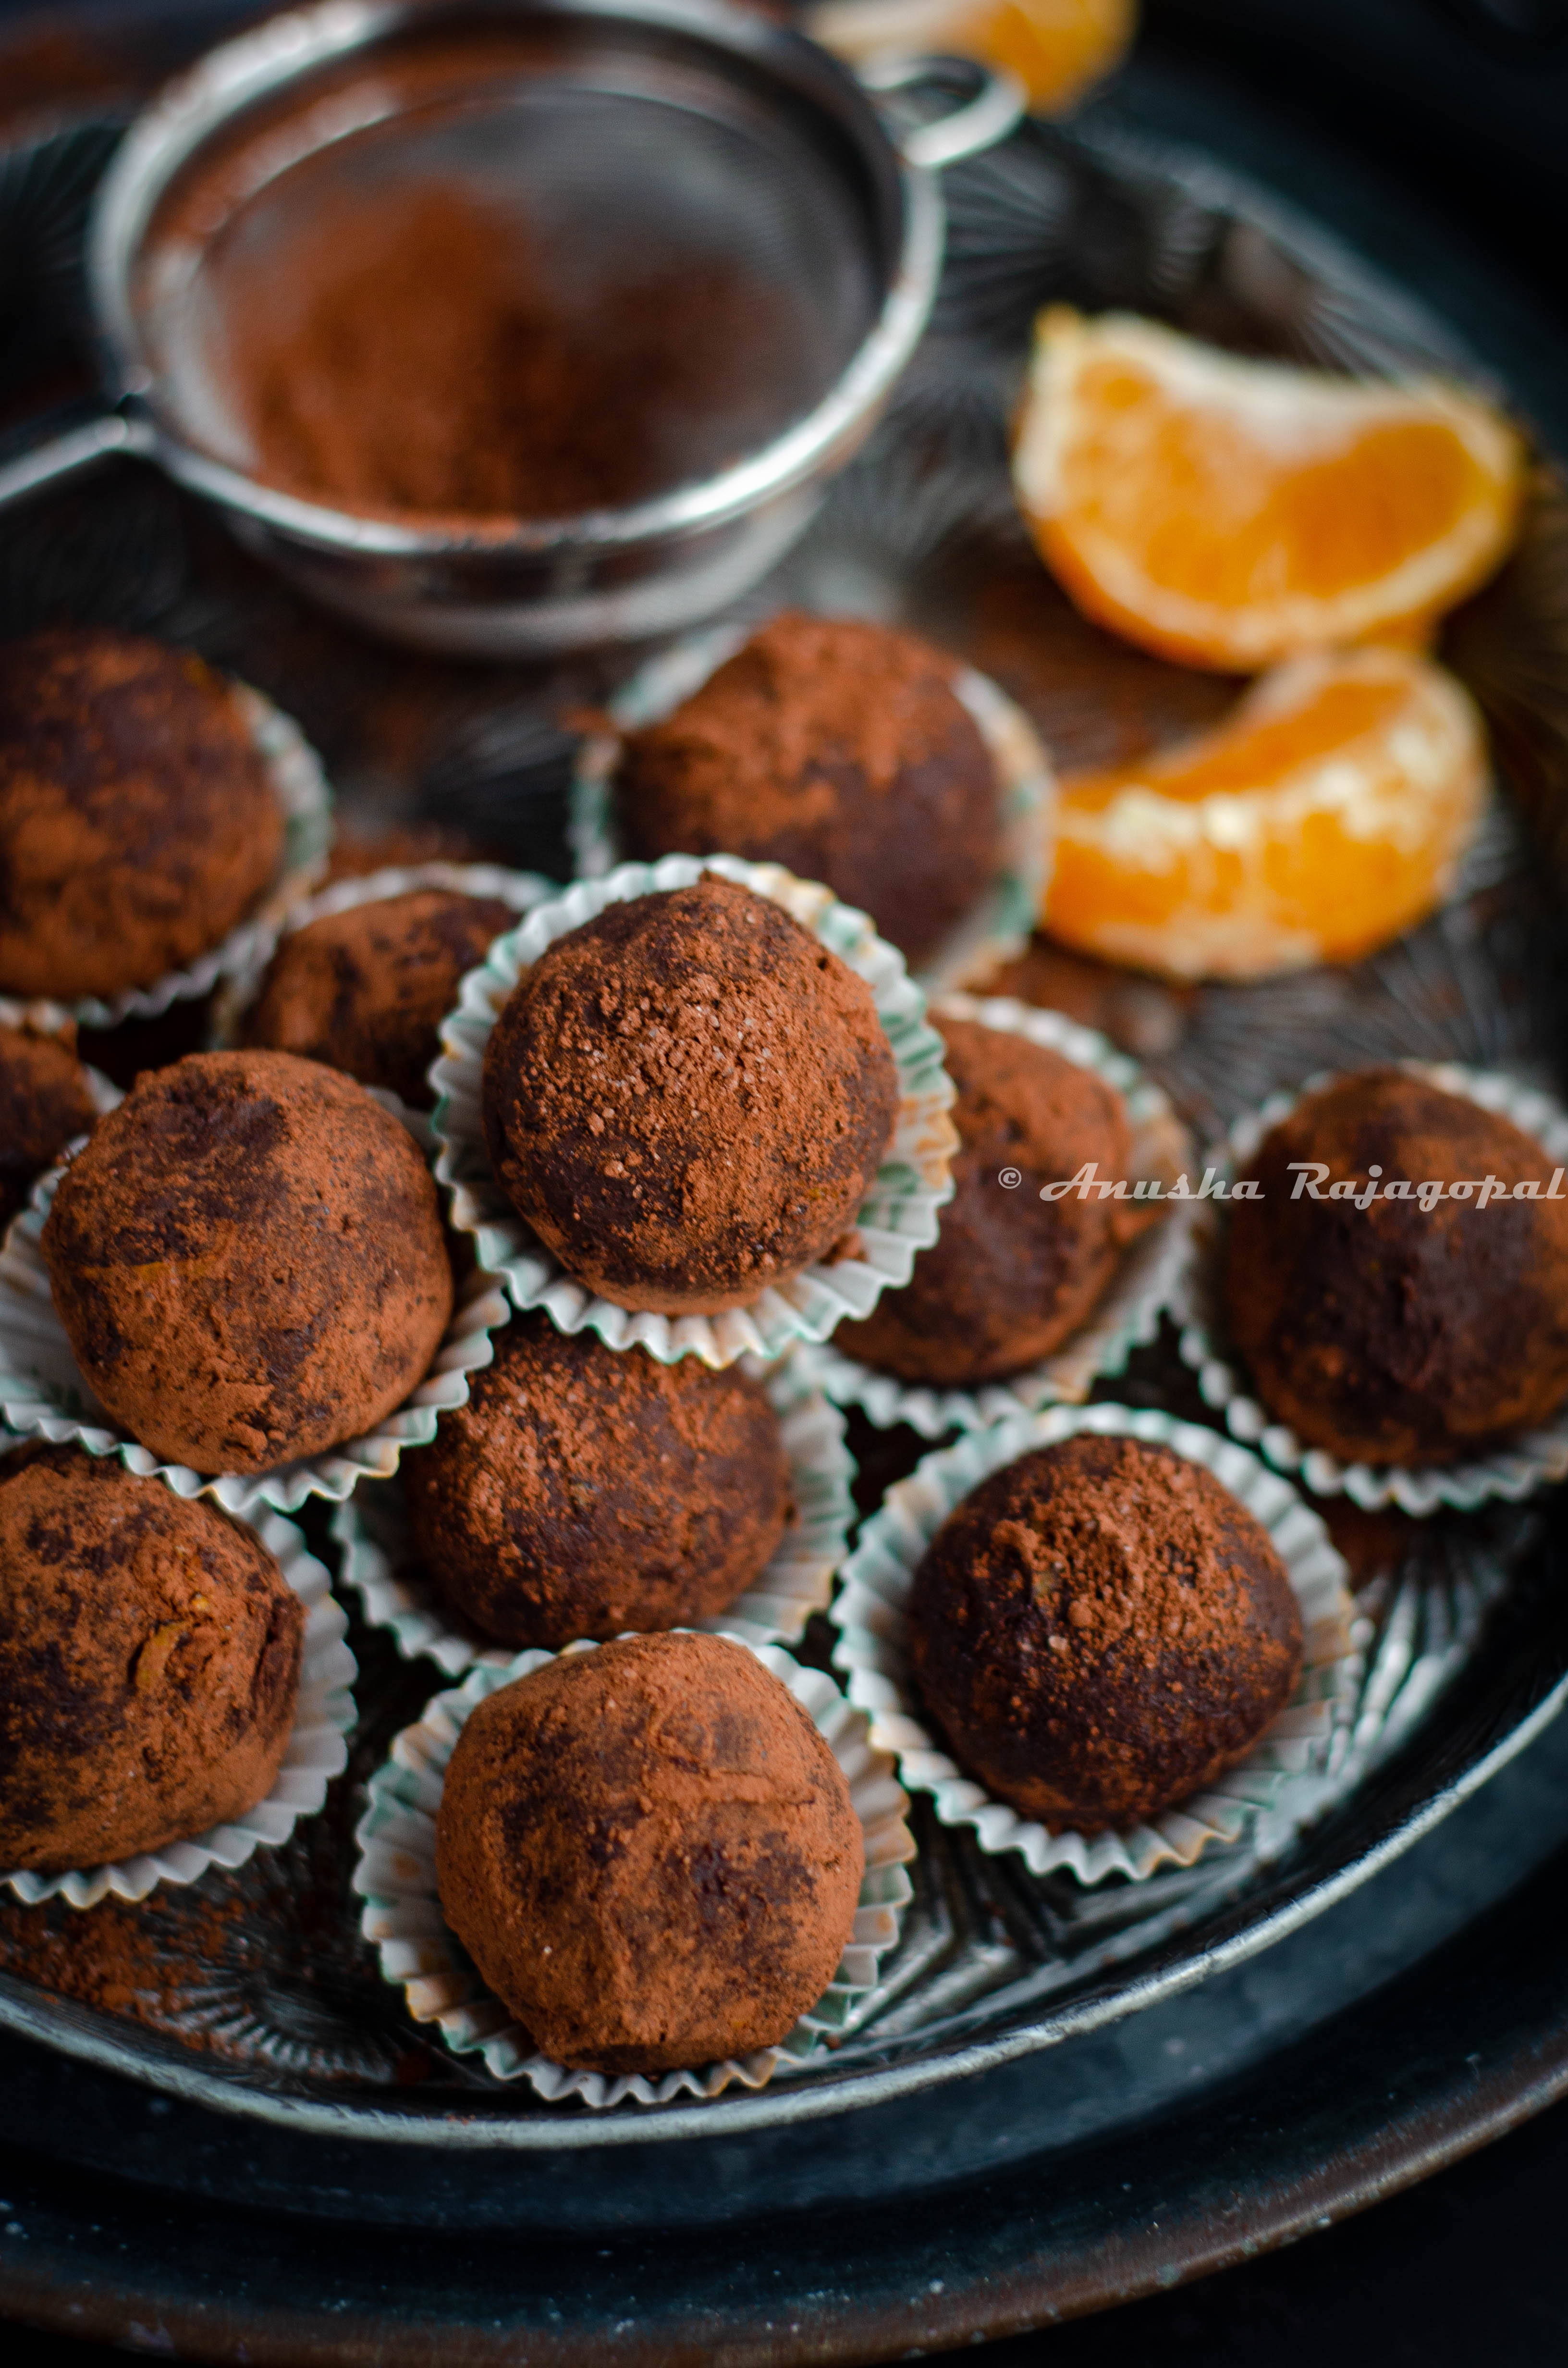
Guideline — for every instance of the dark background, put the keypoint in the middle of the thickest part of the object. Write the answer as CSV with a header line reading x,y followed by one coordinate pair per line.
x,y
1391,120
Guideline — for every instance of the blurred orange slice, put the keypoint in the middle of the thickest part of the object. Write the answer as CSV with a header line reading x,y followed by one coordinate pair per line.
x,y
1229,513
1326,814
1057,48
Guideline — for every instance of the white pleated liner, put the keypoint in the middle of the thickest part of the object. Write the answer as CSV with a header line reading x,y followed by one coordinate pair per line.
x,y
521,890
897,1217
43,1393
317,1751
43,1019
1286,1761
1127,1312
303,794
997,930
1530,1461
396,1594
396,1878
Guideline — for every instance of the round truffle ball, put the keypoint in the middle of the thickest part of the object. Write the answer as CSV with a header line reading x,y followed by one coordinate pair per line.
x,y
688,1098
366,990
149,1663
1011,1276
248,1261
1397,1333
650,1854
840,750
44,1104
1100,1630
580,1492
138,824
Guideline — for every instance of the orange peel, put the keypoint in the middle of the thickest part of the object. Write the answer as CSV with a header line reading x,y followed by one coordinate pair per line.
x,y
1057,48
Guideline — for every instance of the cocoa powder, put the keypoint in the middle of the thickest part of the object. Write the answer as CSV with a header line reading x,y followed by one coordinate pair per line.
x,y
1099,1629
247,1259
421,355
44,1102
650,1852
839,749
688,1097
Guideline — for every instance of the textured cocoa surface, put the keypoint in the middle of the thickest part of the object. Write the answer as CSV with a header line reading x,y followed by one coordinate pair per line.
x,y
44,1104
688,1098
650,1852
1099,1629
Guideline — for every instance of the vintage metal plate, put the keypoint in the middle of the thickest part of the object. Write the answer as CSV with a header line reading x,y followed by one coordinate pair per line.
x,y
254,1995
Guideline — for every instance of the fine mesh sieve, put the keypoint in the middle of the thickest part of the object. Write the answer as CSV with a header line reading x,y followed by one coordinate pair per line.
x,y
710,212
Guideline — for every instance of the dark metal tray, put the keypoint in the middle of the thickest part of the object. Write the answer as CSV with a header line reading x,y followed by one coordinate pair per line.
x,y
284,2076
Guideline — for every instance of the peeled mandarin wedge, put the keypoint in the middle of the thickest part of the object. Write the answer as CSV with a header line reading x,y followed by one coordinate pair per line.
x,y
1057,48
1327,813
1229,513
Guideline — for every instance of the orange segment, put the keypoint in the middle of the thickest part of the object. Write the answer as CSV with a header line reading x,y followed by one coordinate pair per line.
x,y
1229,513
1057,48
1327,813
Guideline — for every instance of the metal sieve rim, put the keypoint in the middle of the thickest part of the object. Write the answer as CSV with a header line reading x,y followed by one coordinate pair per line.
x,y
254,65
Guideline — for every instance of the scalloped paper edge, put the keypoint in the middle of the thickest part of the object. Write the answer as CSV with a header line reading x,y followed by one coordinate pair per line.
x,y
897,1217
1128,1312
998,929
1306,1738
396,1876
316,1753
795,1583
1534,1461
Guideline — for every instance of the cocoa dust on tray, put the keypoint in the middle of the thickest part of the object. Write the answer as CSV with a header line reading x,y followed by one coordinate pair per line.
x,y
423,358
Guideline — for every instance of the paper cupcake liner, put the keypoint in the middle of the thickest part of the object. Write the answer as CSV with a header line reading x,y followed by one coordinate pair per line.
x,y
1279,1775
521,890
897,1217
396,1594
997,930
317,1751
396,1878
40,1017
43,1393
305,797
1528,1463
1128,1312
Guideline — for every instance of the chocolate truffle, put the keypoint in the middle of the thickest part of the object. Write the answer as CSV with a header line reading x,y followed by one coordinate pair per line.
x,y
1011,1276
44,1104
840,750
247,1259
1397,1333
149,1663
580,1492
367,990
650,1854
1100,1630
138,824
688,1098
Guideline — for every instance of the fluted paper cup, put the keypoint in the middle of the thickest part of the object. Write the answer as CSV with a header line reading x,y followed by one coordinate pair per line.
x,y
897,1217
421,1956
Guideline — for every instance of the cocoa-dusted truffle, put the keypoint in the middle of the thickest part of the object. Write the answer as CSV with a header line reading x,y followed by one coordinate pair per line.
x,y
1397,1333
1011,1276
580,1492
247,1259
650,1854
1100,1630
840,750
137,820
688,1098
366,990
149,1663
44,1104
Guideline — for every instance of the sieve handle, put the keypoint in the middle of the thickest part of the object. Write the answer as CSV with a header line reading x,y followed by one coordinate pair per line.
x,y
43,457
998,103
